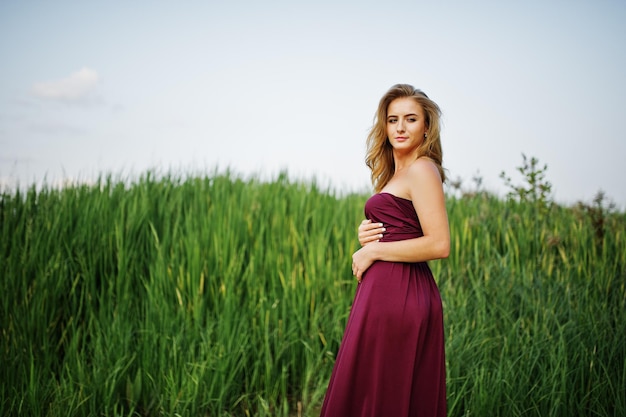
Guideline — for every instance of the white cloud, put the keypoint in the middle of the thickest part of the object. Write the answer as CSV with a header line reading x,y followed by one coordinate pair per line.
x,y
73,88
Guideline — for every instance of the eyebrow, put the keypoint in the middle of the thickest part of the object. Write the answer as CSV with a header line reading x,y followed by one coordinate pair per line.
x,y
406,115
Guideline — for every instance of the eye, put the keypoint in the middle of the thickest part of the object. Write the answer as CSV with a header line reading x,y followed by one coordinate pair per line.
x,y
392,120
412,119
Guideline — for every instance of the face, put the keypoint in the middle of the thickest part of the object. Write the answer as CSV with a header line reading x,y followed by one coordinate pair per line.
x,y
406,124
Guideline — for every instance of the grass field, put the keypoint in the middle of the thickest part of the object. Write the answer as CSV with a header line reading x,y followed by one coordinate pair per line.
x,y
223,296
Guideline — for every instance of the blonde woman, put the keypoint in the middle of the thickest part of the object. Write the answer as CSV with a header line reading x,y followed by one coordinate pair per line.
x,y
391,361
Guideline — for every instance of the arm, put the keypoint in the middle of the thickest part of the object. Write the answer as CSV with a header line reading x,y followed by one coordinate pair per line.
x,y
426,191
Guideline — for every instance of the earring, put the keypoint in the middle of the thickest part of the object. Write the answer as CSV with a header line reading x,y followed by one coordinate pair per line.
x,y
425,136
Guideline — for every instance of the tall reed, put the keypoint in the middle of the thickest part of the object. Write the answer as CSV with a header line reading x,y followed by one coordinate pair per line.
x,y
224,296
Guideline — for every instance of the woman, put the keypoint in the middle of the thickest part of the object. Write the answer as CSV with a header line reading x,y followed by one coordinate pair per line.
x,y
391,360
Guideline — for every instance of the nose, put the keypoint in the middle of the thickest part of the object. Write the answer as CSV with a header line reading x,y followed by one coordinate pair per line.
x,y
400,125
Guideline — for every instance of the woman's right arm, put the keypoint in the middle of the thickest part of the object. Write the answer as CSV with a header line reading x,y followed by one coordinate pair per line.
x,y
370,232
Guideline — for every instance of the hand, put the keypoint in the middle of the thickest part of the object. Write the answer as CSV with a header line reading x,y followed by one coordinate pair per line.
x,y
370,232
361,261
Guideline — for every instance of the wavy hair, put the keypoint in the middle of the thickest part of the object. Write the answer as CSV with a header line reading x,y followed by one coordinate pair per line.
x,y
379,154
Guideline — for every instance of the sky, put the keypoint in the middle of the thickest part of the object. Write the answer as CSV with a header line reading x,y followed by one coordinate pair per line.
x,y
89,89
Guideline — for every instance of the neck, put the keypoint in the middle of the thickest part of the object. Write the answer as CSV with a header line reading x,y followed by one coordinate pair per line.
x,y
402,160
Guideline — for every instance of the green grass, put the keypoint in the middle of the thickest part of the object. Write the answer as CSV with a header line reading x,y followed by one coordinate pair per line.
x,y
223,296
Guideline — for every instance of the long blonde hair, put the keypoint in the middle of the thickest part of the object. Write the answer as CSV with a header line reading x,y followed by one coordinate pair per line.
x,y
379,155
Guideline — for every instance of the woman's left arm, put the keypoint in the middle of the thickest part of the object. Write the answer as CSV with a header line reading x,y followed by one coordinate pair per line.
x,y
426,192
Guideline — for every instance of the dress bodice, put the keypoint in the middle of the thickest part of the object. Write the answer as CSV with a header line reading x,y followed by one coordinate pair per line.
x,y
397,215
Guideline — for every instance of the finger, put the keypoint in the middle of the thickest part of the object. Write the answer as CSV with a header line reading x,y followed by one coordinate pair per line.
x,y
370,226
372,230
365,234
373,238
374,233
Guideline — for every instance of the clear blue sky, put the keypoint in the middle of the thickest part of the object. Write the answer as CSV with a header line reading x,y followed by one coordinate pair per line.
x,y
90,88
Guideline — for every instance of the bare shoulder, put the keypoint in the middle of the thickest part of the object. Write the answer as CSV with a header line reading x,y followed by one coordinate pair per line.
x,y
424,182
423,169
421,176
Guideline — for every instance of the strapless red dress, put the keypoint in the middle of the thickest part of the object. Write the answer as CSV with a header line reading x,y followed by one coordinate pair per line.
x,y
391,361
